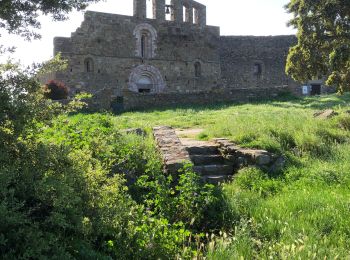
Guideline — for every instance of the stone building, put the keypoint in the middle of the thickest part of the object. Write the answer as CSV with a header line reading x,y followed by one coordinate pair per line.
x,y
138,62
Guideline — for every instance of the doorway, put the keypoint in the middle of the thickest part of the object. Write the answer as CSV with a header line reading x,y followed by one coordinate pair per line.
x,y
315,89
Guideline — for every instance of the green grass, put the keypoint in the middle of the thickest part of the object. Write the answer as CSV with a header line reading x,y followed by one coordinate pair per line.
x,y
302,212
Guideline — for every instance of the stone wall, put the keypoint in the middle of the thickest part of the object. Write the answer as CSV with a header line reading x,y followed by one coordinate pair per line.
x,y
241,57
134,101
181,60
109,41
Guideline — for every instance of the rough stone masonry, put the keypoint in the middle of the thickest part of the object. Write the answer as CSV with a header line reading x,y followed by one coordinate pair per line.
x,y
138,62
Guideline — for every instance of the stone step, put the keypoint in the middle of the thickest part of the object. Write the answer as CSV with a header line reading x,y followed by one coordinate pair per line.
x,y
214,169
216,179
202,150
207,159
195,147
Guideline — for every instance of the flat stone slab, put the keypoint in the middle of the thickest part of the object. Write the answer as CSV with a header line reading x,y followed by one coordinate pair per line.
x,y
188,133
199,147
216,169
325,114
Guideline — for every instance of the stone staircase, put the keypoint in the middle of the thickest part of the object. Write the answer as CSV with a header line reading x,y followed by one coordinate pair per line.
x,y
214,161
207,161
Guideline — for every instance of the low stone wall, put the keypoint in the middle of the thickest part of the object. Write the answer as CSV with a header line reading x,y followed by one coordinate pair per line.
x,y
144,101
242,157
173,152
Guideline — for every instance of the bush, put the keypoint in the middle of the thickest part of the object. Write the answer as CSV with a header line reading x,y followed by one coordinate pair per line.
x,y
253,179
185,200
55,90
53,204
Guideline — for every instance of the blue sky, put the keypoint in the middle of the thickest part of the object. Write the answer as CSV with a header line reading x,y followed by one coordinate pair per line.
x,y
235,17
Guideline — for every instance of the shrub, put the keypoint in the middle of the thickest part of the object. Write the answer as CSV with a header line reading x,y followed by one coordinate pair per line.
x,y
253,179
186,200
56,205
55,90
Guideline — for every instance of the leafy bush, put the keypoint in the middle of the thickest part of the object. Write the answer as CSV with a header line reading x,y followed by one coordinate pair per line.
x,y
186,200
55,90
253,179
51,203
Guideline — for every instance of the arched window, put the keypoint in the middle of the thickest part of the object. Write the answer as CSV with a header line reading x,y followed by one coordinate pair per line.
x,y
88,65
146,37
197,69
146,44
143,45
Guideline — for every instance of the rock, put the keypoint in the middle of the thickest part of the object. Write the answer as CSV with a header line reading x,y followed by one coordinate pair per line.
x,y
263,159
325,114
136,131
241,162
230,158
278,165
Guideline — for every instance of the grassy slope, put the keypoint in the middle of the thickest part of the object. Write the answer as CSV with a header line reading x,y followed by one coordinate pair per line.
x,y
303,211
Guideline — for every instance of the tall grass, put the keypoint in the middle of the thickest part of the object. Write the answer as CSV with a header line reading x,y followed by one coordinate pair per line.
x,y
301,213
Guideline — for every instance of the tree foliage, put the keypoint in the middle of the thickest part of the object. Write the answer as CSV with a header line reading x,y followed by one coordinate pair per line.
x,y
323,48
21,16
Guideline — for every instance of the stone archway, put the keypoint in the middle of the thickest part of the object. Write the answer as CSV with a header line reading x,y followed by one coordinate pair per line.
x,y
146,79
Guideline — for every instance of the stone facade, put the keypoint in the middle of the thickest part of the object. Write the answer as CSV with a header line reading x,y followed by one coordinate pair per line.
x,y
140,62
250,61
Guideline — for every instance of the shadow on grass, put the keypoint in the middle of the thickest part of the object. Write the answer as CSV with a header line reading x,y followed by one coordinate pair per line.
x,y
284,101
316,103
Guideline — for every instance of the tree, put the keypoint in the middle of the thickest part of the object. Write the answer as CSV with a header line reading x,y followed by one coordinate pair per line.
x,y
21,16
323,48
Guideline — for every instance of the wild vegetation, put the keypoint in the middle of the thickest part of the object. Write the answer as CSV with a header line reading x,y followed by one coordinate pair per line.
x,y
300,212
77,186
90,190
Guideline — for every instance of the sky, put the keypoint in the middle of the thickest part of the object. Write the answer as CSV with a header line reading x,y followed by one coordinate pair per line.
x,y
235,17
